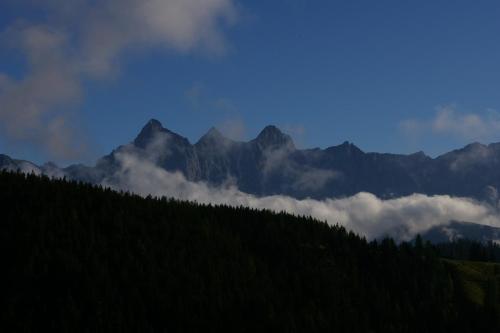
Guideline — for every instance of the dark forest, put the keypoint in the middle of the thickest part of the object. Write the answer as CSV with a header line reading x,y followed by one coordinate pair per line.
x,y
78,257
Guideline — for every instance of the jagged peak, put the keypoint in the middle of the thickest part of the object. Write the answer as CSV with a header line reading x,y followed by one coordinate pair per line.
x,y
153,125
474,146
150,131
213,136
272,136
213,132
270,129
345,146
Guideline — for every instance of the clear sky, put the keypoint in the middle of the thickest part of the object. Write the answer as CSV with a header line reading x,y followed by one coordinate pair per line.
x,y
390,76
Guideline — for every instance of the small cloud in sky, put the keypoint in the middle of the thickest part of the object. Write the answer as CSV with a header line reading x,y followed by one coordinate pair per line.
x,y
225,105
297,132
447,121
233,128
200,99
194,96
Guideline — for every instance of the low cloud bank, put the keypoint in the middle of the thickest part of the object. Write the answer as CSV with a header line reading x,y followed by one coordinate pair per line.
x,y
364,213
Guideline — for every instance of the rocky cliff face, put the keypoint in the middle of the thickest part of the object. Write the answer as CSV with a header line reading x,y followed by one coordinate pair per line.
x,y
271,164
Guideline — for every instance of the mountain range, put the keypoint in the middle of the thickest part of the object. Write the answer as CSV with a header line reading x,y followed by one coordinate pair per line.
x,y
271,164
462,230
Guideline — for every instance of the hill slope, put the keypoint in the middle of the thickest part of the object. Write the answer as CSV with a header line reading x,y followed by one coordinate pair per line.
x,y
80,258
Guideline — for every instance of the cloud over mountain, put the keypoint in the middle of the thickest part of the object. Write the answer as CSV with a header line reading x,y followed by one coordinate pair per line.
x,y
373,194
137,169
364,213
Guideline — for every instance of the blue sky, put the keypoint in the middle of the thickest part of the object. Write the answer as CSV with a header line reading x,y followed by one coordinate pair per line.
x,y
390,76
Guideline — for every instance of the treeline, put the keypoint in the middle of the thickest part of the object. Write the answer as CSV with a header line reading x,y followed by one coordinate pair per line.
x,y
77,257
465,249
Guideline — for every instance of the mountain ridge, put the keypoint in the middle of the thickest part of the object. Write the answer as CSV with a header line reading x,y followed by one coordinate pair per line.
x,y
272,164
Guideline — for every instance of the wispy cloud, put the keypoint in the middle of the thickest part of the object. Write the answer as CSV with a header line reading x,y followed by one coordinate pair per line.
x,y
31,108
312,179
469,126
297,132
85,39
200,99
233,127
449,122
195,96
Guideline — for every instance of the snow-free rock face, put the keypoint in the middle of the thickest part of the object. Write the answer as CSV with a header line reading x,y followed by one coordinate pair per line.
x,y
271,164
272,138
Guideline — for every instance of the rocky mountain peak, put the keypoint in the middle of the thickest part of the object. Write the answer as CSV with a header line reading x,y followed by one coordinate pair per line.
x,y
213,138
213,134
346,148
271,136
152,130
148,132
154,124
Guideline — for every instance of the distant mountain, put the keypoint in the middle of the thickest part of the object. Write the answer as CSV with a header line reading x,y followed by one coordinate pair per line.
x,y
462,230
271,164
11,164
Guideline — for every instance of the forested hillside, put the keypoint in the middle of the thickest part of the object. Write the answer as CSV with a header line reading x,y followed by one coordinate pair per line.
x,y
77,257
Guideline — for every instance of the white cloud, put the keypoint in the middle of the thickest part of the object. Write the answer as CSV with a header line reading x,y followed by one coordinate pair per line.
x,y
85,39
447,121
108,27
31,107
468,126
363,213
